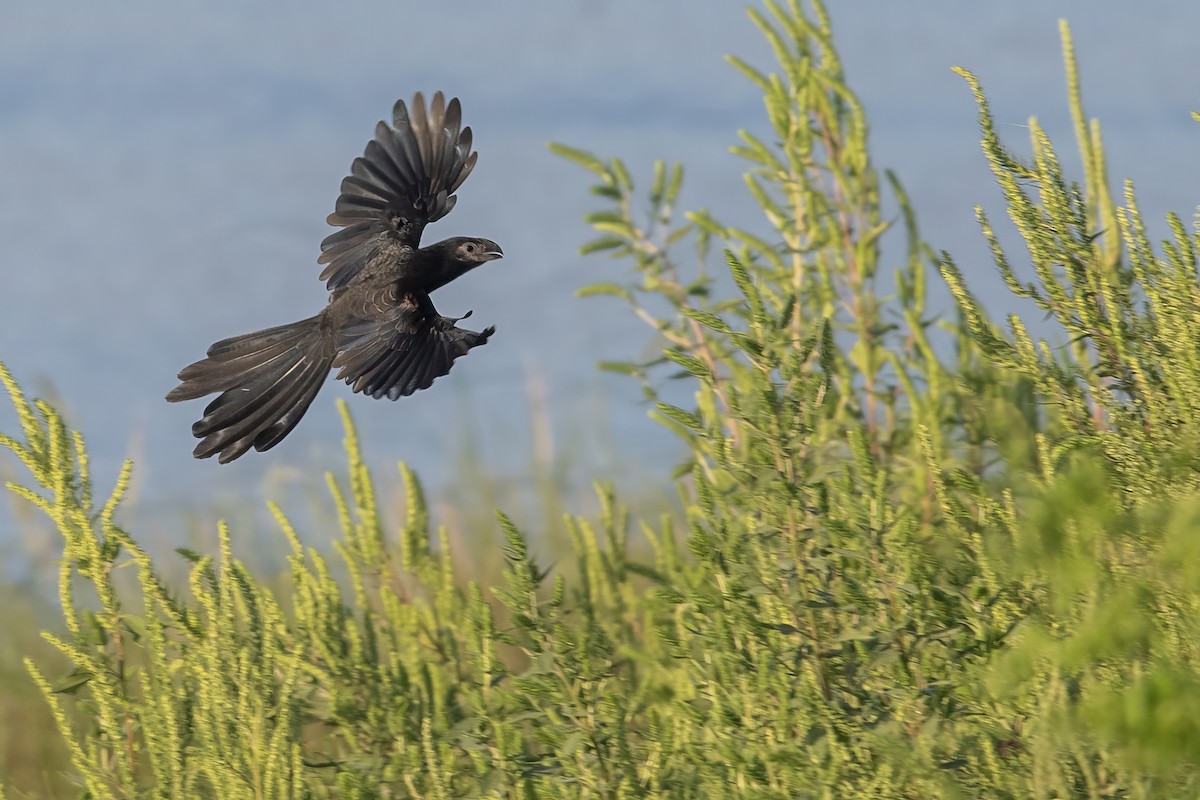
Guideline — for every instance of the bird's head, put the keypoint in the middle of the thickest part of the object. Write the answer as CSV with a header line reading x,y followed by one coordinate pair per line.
x,y
473,252
450,258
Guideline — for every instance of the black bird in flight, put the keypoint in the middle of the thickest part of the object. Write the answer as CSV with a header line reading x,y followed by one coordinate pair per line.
x,y
380,329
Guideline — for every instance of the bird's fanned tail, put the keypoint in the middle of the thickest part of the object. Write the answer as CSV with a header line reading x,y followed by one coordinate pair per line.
x,y
267,381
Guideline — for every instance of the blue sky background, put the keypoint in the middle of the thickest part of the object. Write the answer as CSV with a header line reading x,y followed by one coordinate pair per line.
x,y
166,169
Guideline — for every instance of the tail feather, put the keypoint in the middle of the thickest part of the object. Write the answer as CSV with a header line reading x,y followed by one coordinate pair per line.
x,y
240,402
253,389
267,337
228,366
267,381
238,434
275,434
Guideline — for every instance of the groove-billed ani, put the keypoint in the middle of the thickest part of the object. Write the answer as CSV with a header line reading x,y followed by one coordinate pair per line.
x,y
380,328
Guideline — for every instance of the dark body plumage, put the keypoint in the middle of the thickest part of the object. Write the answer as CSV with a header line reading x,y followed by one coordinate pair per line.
x,y
380,329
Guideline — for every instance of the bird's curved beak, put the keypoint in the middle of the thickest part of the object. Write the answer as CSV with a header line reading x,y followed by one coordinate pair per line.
x,y
493,250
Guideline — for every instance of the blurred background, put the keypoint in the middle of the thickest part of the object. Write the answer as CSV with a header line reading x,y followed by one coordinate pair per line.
x,y
166,170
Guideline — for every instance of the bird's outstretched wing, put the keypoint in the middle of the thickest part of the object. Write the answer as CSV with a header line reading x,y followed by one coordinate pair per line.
x,y
404,180
396,343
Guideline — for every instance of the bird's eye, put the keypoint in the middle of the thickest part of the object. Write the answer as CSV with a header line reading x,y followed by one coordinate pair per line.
x,y
470,247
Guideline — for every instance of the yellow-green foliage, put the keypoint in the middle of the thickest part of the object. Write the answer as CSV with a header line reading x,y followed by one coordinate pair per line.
x,y
912,560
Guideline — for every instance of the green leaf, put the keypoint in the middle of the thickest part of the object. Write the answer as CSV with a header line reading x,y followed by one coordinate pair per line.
x,y
594,289
687,419
621,173
621,367
750,72
692,364
606,216
580,157
745,284
73,682
657,184
706,318
601,244
675,184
